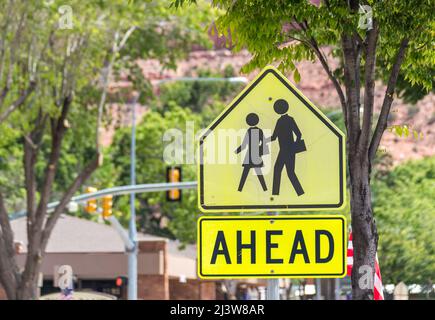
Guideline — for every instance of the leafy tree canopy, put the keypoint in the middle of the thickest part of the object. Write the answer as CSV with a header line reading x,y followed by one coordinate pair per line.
x,y
268,30
405,214
179,105
74,61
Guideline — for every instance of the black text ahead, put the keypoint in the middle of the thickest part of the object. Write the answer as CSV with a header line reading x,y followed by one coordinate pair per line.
x,y
272,246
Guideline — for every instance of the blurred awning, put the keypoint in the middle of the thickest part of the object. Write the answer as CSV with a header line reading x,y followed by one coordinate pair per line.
x,y
80,295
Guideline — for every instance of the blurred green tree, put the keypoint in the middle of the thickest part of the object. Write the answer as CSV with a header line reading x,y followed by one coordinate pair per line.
x,y
405,213
56,62
182,106
200,96
153,209
397,33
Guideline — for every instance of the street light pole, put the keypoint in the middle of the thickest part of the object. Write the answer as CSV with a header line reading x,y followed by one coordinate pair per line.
x,y
132,232
132,254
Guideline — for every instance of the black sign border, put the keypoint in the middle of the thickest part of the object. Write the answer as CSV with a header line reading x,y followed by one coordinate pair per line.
x,y
269,275
264,207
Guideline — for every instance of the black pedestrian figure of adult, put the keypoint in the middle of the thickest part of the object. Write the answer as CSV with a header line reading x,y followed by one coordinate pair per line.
x,y
255,141
288,147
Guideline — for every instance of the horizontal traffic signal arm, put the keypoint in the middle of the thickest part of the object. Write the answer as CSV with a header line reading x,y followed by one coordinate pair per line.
x,y
120,190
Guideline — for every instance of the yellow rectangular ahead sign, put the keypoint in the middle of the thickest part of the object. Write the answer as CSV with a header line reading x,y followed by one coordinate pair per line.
x,y
300,246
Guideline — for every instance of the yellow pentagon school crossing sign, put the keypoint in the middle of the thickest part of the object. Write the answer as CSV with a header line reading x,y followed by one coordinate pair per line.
x,y
295,246
271,149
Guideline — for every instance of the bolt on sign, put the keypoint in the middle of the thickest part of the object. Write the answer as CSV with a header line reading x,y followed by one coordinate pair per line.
x,y
271,149
292,246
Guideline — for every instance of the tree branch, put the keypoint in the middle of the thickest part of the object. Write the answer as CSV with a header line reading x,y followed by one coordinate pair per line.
x,y
29,160
31,147
12,58
369,87
18,102
324,62
334,80
107,70
34,249
7,233
360,40
58,130
351,83
388,99
4,33
80,179
125,38
9,272
358,57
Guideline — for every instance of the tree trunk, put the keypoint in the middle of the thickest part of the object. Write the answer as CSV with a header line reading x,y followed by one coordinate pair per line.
x,y
28,286
8,277
28,290
364,233
365,237
23,290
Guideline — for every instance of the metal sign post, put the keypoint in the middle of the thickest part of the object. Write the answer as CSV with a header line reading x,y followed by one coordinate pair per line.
x,y
272,291
258,248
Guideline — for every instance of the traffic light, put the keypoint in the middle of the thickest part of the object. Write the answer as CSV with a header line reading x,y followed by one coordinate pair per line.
x,y
121,282
173,174
91,204
107,206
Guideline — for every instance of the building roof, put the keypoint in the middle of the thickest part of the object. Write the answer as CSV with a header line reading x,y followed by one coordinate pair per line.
x,y
72,235
76,235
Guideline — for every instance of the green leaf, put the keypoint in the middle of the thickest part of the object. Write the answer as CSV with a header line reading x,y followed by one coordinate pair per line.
x,y
296,76
406,130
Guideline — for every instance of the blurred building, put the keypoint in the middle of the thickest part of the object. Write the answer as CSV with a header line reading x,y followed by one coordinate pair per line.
x,y
97,256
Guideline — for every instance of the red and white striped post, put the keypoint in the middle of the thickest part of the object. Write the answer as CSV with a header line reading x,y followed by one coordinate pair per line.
x,y
378,290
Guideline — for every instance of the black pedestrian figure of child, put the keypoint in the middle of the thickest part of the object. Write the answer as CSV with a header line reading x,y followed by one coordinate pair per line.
x,y
255,142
